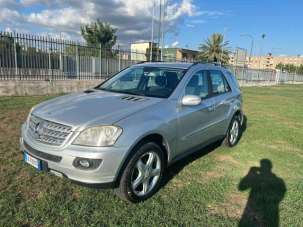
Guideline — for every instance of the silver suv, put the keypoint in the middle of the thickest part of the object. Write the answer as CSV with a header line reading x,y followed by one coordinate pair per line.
x,y
126,131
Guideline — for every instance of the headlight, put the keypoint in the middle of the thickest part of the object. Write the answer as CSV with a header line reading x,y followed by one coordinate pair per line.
x,y
100,136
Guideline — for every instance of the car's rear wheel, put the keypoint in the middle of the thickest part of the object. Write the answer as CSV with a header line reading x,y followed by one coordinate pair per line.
x,y
143,173
233,132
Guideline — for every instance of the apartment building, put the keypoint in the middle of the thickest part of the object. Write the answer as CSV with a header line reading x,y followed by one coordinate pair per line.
x,y
180,54
270,61
139,50
239,57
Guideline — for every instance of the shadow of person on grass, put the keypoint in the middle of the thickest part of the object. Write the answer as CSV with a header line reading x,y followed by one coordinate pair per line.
x,y
266,192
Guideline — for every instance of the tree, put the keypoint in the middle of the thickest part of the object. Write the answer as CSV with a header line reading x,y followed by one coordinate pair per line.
x,y
280,66
97,33
300,70
290,68
215,49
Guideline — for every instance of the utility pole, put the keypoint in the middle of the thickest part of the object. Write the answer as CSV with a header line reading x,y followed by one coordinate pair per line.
x,y
263,37
159,28
222,51
251,47
152,34
163,28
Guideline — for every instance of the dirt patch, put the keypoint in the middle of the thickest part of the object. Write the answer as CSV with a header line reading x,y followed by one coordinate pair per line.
x,y
282,145
214,174
226,158
175,184
233,207
287,122
10,125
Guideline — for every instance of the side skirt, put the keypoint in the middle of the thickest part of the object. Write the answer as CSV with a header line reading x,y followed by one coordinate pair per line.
x,y
195,149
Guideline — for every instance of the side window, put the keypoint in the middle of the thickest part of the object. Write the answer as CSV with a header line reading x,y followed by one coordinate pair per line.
x,y
198,85
234,79
219,84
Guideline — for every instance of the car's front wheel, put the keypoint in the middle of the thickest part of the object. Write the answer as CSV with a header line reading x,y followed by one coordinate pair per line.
x,y
143,173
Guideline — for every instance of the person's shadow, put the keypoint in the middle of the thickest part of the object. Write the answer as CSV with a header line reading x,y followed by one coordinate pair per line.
x,y
266,192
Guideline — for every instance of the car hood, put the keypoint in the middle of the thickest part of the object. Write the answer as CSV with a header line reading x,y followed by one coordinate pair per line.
x,y
86,109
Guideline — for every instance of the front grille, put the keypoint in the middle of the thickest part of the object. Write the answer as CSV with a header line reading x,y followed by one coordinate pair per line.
x,y
48,132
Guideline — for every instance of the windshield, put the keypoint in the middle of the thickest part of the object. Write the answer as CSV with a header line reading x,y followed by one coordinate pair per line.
x,y
145,81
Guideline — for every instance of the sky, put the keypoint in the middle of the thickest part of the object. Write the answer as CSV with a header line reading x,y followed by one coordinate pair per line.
x,y
188,22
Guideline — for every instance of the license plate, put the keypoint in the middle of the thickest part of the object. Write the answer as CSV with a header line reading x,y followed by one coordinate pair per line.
x,y
33,161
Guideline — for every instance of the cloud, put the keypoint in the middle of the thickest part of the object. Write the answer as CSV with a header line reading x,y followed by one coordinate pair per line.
x,y
193,23
210,13
190,26
174,44
33,2
132,19
67,18
198,21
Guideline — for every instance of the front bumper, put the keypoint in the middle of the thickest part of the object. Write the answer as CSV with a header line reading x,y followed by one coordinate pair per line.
x,y
60,162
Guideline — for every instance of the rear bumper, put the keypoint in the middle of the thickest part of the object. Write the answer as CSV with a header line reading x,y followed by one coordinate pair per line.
x,y
61,163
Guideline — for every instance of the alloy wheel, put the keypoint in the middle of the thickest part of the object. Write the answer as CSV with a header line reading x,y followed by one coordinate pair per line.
x,y
234,132
146,173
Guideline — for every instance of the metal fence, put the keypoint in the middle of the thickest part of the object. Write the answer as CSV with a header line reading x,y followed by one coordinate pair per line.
x,y
30,57
253,75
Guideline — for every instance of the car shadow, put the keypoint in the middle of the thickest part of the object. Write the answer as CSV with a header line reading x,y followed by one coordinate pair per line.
x,y
267,190
178,166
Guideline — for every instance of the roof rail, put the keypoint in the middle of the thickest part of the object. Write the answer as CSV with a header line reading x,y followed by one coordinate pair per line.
x,y
203,62
142,62
216,63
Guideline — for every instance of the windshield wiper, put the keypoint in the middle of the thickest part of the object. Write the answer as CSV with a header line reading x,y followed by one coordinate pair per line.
x,y
121,92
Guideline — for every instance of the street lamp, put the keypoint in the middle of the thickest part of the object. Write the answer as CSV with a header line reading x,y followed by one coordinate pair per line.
x,y
263,37
226,29
252,45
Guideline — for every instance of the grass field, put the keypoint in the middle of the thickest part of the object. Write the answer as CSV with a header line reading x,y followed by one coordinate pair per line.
x,y
215,187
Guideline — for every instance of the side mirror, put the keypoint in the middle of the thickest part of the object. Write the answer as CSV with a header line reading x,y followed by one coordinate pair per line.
x,y
191,100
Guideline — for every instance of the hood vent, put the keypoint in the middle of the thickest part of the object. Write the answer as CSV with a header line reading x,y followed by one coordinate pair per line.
x,y
89,91
132,98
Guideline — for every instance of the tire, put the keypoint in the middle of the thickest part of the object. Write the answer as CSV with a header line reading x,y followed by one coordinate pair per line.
x,y
143,174
233,133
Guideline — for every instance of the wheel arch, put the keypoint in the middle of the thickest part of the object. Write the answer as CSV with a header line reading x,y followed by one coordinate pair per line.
x,y
239,113
155,137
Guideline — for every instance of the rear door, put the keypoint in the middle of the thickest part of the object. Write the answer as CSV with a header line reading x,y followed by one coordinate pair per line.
x,y
222,97
195,122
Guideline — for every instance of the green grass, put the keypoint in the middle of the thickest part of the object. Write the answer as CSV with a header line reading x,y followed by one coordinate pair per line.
x,y
201,190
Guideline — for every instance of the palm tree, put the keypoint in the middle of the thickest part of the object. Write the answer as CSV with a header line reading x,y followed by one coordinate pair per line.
x,y
215,49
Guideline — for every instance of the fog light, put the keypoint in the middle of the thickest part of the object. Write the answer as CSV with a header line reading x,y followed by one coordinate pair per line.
x,y
84,163
87,164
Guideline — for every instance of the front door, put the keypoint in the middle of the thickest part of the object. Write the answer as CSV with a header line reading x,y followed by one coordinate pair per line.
x,y
195,122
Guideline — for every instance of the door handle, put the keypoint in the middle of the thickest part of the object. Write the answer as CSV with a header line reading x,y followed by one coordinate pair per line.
x,y
211,108
221,103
